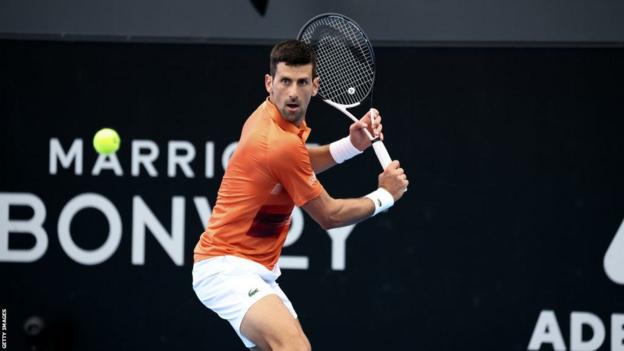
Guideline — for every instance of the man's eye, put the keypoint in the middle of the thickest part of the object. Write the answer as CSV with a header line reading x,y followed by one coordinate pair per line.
x,y
285,81
303,82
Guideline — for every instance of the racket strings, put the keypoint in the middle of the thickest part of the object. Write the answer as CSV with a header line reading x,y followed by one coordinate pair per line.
x,y
343,75
345,60
350,75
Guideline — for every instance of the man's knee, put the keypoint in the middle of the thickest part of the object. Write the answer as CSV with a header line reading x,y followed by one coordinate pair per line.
x,y
293,341
302,345
307,346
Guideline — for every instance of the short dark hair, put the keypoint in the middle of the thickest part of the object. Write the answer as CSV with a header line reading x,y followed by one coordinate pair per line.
x,y
292,52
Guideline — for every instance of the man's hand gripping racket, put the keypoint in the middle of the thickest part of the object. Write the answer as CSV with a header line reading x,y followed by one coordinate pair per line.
x,y
345,63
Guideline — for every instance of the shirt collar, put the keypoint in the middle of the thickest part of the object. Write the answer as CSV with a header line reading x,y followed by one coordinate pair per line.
x,y
302,132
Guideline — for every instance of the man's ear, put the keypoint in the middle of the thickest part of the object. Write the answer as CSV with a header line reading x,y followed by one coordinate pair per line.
x,y
316,83
268,83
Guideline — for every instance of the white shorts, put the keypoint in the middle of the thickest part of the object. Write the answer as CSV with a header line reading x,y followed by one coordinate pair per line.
x,y
230,285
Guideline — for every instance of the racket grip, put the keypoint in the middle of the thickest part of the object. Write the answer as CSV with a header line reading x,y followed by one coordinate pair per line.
x,y
382,153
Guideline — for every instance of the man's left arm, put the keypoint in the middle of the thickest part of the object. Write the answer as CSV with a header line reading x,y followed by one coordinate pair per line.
x,y
326,156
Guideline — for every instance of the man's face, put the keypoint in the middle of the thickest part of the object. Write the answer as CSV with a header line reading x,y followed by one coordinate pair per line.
x,y
291,90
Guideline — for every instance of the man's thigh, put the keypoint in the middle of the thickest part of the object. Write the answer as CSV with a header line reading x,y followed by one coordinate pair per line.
x,y
231,289
270,325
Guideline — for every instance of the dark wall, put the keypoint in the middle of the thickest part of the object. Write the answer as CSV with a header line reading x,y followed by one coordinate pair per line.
x,y
446,22
515,163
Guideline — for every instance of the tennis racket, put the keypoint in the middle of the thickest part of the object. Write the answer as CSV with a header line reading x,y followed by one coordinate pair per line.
x,y
345,63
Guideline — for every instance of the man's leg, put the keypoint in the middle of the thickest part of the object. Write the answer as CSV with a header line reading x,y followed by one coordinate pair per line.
x,y
270,326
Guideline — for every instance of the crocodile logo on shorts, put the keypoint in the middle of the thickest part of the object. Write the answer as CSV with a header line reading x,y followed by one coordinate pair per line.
x,y
252,292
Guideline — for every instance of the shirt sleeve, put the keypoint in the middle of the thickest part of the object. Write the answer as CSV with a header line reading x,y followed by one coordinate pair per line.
x,y
290,164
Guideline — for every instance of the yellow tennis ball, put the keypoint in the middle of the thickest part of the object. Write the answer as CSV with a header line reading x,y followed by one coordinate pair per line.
x,y
106,141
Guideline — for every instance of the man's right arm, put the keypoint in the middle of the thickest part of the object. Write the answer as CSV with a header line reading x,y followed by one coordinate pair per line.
x,y
331,213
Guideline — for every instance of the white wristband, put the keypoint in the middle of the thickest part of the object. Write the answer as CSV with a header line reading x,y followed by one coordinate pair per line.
x,y
342,150
382,199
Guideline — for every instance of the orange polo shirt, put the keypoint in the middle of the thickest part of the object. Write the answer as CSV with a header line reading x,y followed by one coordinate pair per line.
x,y
268,174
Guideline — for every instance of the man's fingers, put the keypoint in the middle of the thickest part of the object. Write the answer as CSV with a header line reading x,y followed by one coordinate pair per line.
x,y
358,125
394,165
378,129
376,122
372,116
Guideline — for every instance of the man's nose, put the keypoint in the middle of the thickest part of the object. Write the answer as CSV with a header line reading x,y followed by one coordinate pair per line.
x,y
293,93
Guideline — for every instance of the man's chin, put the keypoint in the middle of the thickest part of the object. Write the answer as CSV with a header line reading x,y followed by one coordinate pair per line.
x,y
293,117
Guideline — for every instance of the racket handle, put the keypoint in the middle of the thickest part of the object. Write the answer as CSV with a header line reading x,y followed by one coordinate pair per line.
x,y
382,153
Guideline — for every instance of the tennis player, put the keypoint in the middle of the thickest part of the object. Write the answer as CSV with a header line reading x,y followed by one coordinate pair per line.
x,y
271,171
